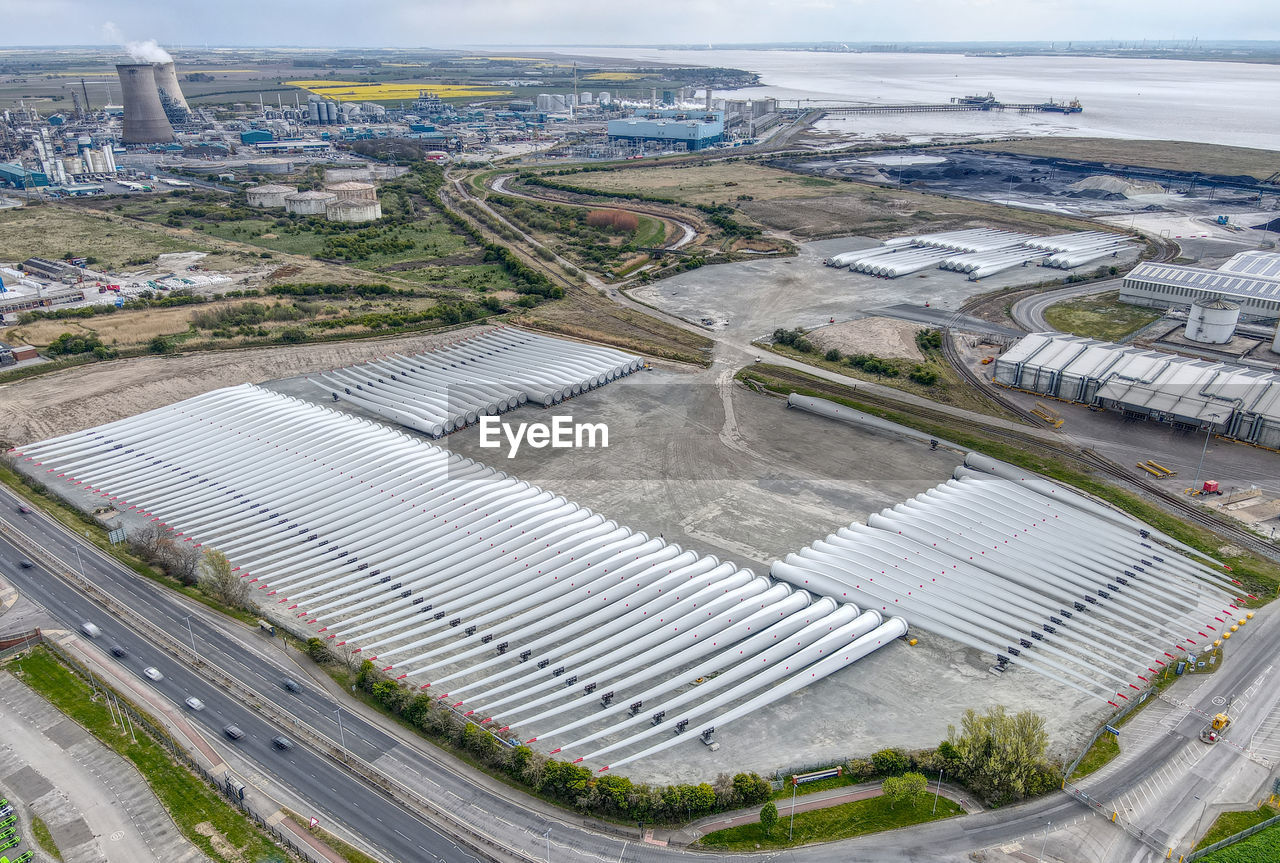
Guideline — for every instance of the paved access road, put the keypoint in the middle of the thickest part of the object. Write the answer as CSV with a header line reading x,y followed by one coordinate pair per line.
x,y
309,775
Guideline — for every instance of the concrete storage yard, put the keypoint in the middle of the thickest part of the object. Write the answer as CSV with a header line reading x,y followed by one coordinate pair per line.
x,y
721,470
752,299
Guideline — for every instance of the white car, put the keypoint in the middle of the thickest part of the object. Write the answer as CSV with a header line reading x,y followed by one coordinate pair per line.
x,y
194,703
152,673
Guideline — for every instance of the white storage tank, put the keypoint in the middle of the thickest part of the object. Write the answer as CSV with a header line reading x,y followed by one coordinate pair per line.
x,y
309,203
353,190
353,211
270,195
1212,321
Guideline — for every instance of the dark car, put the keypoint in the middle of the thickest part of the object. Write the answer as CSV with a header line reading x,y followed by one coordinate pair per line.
x,y
25,564
290,684
118,651
284,744
233,731
25,510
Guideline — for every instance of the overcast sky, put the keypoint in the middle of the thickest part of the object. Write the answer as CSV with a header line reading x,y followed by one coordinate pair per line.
x,y
456,23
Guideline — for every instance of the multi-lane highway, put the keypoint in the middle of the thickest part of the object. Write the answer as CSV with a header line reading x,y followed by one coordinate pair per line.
x,y
517,822
309,775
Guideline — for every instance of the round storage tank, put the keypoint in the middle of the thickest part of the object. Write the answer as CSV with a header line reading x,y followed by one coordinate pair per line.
x,y
353,211
353,190
1213,322
308,203
269,195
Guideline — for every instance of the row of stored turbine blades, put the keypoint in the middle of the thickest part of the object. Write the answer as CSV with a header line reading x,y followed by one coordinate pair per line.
x,y
444,390
525,611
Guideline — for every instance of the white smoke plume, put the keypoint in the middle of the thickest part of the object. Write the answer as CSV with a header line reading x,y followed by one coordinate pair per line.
x,y
147,52
141,52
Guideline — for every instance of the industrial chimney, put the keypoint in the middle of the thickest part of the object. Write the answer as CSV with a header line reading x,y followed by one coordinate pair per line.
x,y
167,81
144,118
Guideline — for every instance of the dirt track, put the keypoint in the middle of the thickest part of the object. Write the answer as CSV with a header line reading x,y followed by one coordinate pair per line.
x,y
49,405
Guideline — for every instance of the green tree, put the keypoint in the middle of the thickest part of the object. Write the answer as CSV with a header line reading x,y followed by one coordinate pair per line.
x,y
768,817
218,581
890,762
999,755
906,788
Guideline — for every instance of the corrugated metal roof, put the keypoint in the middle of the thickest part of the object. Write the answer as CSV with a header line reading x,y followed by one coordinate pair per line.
x,y
1231,284
1254,263
1181,386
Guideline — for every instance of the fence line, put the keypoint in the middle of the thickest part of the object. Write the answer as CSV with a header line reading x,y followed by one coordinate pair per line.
x,y
1243,834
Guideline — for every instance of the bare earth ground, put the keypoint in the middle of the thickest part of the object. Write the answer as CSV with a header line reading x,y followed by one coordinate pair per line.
x,y
883,337
1171,155
54,404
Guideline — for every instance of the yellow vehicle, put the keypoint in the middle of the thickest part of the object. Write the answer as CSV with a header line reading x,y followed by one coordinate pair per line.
x,y
1212,732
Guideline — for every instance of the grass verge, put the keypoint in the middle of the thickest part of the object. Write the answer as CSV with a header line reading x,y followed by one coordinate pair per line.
x,y
196,808
826,825
349,852
40,833
1230,823
784,793
950,389
1099,317
1105,748
1259,576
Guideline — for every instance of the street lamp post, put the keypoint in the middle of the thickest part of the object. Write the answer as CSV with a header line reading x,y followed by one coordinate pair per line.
x,y
1208,433
195,654
341,734
937,791
1043,845
547,836
792,829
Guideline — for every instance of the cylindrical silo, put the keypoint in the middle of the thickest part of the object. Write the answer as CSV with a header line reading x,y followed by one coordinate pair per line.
x,y
353,211
144,118
313,113
353,190
1212,321
270,195
308,203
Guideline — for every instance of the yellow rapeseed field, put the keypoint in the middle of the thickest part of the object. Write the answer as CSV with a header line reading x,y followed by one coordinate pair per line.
x,y
356,91
616,76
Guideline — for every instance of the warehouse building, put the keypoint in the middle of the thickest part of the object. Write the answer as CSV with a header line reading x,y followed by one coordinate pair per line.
x,y
695,130
1251,279
1234,401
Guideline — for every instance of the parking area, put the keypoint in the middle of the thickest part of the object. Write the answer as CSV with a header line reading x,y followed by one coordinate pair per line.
x,y
96,806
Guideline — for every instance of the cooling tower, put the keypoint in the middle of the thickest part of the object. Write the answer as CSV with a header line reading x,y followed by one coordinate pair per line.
x,y
144,118
167,81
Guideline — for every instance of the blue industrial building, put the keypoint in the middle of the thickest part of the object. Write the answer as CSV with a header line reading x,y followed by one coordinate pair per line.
x,y
20,178
695,129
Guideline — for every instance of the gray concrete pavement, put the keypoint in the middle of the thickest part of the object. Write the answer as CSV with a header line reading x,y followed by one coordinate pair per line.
x,y
97,806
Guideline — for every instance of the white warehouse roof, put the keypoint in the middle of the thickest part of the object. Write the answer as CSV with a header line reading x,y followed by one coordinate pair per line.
x,y
1153,380
1233,284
